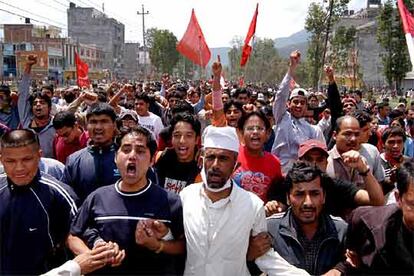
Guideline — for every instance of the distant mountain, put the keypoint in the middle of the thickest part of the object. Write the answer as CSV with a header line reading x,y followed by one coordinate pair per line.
x,y
284,45
295,38
299,40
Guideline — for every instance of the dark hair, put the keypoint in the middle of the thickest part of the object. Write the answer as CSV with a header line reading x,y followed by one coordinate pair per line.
x,y
48,87
19,138
395,113
399,120
174,94
405,176
303,172
101,109
358,92
246,116
182,106
393,131
143,96
138,130
363,117
234,103
5,89
40,95
382,105
267,110
64,119
241,91
340,120
188,118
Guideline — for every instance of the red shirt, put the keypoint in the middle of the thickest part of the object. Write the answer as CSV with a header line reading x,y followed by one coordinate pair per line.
x,y
62,150
257,174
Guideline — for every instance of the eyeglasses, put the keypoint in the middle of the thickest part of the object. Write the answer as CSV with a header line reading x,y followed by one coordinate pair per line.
x,y
253,128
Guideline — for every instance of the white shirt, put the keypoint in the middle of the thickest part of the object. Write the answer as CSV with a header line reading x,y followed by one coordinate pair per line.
x,y
151,122
217,234
70,268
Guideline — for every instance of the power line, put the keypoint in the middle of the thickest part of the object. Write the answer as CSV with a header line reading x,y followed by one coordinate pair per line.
x,y
23,16
45,4
58,23
63,5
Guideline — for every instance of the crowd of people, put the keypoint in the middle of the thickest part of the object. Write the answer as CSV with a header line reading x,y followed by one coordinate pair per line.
x,y
204,178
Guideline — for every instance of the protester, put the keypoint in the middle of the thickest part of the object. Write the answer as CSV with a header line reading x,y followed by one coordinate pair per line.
x,y
185,132
380,239
306,236
291,128
36,211
258,171
111,213
70,136
219,217
34,111
93,167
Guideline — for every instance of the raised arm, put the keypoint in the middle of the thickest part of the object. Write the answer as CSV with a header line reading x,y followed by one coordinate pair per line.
x,y
282,95
23,105
219,119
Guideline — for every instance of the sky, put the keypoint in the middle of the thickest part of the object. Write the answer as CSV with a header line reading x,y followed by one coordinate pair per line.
x,y
220,20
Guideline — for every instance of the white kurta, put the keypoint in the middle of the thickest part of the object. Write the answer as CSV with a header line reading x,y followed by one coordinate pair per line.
x,y
217,234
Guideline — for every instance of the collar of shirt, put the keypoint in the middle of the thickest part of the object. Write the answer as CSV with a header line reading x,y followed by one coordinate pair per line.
x,y
220,203
334,153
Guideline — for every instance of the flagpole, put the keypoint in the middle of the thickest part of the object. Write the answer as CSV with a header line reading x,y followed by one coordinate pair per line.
x,y
199,56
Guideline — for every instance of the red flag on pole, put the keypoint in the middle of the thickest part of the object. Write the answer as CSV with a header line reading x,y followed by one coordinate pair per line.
x,y
247,48
81,72
193,45
408,26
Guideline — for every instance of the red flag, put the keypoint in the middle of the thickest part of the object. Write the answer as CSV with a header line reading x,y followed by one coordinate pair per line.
x,y
81,72
193,45
247,48
408,26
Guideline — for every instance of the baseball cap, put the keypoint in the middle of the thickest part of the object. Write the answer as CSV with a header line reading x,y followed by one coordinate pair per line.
x,y
311,144
130,113
298,92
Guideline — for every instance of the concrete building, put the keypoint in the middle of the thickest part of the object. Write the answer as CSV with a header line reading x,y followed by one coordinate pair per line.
x,y
90,54
90,26
368,49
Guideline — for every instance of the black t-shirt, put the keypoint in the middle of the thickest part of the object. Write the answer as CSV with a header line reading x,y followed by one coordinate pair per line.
x,y
174,175
112,215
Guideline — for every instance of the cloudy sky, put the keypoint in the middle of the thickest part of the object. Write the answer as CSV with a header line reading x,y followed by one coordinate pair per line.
x,y
221,20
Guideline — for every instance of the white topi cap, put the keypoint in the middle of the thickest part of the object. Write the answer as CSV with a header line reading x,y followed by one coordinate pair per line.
x,y
221,138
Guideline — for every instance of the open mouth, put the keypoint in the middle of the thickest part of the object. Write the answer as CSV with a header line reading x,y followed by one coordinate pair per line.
x,y
255,140
131,169
182,150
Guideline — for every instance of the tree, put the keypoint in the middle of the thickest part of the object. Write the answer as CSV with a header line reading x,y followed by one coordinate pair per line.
x,y
391,37
318,23
343,56
163,53
264,64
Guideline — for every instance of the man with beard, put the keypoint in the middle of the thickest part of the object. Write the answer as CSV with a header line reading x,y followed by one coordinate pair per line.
x,y
34,111
345,162
220,217
306,236
292,129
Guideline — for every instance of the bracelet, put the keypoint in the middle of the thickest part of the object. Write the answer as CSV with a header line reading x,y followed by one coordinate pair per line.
x,y
158,251
365,173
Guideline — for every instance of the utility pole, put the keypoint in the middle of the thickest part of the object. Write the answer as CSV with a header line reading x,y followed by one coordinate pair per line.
x,y
144,13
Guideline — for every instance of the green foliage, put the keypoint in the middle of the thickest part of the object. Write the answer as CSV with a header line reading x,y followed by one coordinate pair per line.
x,y
264,64
318,23
390,36
162,51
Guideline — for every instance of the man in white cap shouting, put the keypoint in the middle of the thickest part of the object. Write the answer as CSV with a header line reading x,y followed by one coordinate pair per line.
x,y
219,217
